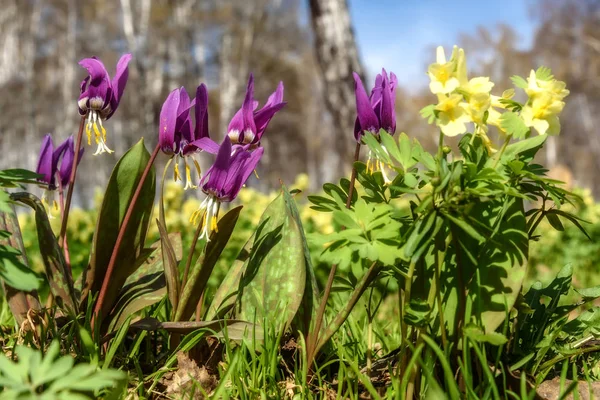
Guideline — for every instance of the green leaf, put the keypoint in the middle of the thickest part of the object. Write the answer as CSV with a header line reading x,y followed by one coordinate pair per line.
x,y
428,113
555,222
476,334
170,264
199,275
462,224
274,279
146,286
58,275
544,74
119,192
514,125
230,328
519,82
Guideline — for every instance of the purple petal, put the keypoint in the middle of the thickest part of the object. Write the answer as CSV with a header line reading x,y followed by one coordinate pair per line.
x,y
366,116
243,121
276,97
376,92
201,110
44,166
99,86
66,163
248,107
263,117
168,122
217,175
205,144
387,111
119,81
246,164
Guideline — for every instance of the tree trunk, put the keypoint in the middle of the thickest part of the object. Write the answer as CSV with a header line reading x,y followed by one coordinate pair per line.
x,y
337,56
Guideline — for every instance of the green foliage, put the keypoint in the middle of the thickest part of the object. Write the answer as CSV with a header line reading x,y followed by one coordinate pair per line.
x,y
272,279
117,197
13,265
50,376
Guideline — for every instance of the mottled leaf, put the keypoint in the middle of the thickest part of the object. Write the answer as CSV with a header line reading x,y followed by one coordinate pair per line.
x,y
146,286
119,192
22,297
201,272
58,275
231,328
169,263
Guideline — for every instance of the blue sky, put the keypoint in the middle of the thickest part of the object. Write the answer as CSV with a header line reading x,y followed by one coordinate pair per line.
x,y
396,34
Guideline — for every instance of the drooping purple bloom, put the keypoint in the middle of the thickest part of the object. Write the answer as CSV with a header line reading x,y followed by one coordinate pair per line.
x,y
100,96
377,111
248,125
48,163
223,181
175,135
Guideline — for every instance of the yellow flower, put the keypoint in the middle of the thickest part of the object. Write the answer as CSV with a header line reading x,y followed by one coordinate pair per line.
x,y
452,116
443,74
544,104
477,92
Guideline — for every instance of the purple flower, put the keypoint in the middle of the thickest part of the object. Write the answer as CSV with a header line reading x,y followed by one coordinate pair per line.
x,y
247,126
175,134
223,181
49,159
377,111
48,166
100,97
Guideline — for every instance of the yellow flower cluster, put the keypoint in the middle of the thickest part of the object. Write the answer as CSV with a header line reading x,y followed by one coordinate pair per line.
x,y
462,101
544,104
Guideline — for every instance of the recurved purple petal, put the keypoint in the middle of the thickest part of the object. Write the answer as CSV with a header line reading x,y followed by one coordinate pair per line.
x,y
201,111
263,117
217,175
45,161
168,122
366,116
246,163
205,144
387,117
248,109
119,81
276,97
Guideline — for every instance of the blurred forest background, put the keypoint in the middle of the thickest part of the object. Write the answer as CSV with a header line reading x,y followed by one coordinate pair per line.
x,y
308,44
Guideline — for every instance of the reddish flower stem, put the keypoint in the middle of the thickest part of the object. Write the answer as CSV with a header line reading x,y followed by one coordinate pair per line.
x,y
121,235
61,201
62,237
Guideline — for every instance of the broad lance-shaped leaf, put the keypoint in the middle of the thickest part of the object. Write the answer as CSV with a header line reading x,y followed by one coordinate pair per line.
x,y
494,271
117,197
272,282
146,285
310,301
22,297
170,265
204,266
231,328
59,277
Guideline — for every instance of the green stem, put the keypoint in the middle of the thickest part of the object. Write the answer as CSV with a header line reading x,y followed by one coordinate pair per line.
x,y
341,317
501,152
161,204
188,263
120,236
440,255
313,339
